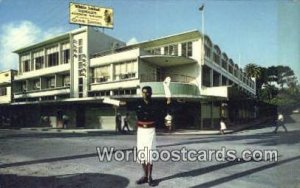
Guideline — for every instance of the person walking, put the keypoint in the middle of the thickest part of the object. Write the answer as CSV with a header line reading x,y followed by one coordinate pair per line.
x,y
222,125
126,122
280,122
118,120
65,121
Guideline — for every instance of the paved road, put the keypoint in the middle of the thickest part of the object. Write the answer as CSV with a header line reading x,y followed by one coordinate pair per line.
x,y
41,159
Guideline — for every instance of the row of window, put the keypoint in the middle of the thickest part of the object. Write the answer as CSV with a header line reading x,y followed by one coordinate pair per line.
x,y
173,49
48,83
115,92
206,79
39,62
121,71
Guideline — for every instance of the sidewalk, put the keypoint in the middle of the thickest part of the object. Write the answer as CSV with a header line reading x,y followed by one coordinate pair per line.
x,y
231,129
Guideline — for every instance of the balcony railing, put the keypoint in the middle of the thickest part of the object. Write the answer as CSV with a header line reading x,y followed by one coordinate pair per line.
x,y
161,77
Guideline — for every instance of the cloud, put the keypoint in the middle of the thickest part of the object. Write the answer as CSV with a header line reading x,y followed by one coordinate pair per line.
x,y
17,35
132,41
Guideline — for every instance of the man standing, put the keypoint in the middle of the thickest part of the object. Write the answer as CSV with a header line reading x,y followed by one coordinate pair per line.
x,y
147,115
147,112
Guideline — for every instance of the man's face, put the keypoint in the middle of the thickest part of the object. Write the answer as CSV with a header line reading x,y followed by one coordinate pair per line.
x,y
146,94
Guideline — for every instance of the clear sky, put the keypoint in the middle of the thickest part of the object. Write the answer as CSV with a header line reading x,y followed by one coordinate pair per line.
x,y
265,32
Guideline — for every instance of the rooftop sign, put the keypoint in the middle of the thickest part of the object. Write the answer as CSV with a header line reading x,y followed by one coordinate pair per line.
x,y
91,15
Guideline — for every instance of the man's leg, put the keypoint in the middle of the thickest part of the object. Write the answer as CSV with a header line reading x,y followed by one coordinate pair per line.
x,y
143,179
277,125
284,127
150,180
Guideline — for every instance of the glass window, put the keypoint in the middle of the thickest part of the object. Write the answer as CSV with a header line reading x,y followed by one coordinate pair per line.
x,y
26,65
66,80
36,84
171,50
186,49
3,91
101,74
39,62
66,56
53,59
51,82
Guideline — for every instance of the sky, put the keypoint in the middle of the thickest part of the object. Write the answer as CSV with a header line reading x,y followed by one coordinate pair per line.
x,y
264,32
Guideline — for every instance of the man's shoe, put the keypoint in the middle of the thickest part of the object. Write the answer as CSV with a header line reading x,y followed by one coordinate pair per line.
x,y
142,180
151,182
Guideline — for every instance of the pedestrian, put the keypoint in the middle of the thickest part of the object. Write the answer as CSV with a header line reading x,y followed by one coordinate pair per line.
x,y
168,122
280,122
65,121
126,122
222,125
118,122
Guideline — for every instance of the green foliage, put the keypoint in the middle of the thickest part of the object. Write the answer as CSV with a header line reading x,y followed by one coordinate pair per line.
x,y
284,96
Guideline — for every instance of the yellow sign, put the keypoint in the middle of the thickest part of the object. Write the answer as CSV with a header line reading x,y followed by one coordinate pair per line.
x,y
90,15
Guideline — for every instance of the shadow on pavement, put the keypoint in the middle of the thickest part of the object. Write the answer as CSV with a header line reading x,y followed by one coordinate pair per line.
x,y
245,173
59,135
56,159
200,171
264,139
69,180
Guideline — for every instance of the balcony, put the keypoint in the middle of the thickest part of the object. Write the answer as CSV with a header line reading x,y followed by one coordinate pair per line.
x,y
180,86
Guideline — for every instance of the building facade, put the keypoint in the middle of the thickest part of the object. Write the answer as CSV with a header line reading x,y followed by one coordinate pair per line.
x,y
6,90
71,74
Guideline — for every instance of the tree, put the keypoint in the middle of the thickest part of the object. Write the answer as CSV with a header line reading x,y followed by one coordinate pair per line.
x,y
252,70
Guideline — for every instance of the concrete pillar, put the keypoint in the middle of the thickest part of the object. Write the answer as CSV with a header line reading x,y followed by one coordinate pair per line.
x,y
211,78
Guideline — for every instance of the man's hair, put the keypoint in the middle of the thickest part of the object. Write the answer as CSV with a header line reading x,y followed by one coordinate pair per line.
x,y
148,88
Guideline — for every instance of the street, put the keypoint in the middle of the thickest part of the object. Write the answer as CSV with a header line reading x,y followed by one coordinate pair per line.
x,y
43,159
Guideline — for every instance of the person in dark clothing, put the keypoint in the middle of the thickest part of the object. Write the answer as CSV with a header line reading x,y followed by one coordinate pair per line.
x,y
126,123
147,118
118,122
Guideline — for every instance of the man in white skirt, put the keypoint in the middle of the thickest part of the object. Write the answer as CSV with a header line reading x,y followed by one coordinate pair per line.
x,y
146,111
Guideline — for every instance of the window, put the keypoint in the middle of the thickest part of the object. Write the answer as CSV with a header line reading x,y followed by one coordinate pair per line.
x,y
3,91
216,58
80,81
101,74
80,88
26,65
66,80
36,84
53,59
51,82
24,86
66,56
125,70
186,49
224,64
171,50
155,51
207,51
39,62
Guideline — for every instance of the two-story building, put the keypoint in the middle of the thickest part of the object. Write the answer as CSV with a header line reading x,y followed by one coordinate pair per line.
x,y
6,78
71,73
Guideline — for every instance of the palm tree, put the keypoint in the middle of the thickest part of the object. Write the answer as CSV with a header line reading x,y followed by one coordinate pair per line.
x,y
252,70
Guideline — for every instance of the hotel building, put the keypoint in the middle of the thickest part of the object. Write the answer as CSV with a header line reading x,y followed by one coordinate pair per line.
x,y
70,74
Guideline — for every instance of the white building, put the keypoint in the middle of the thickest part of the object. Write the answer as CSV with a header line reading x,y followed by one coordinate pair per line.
x,y
70,74
6,78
